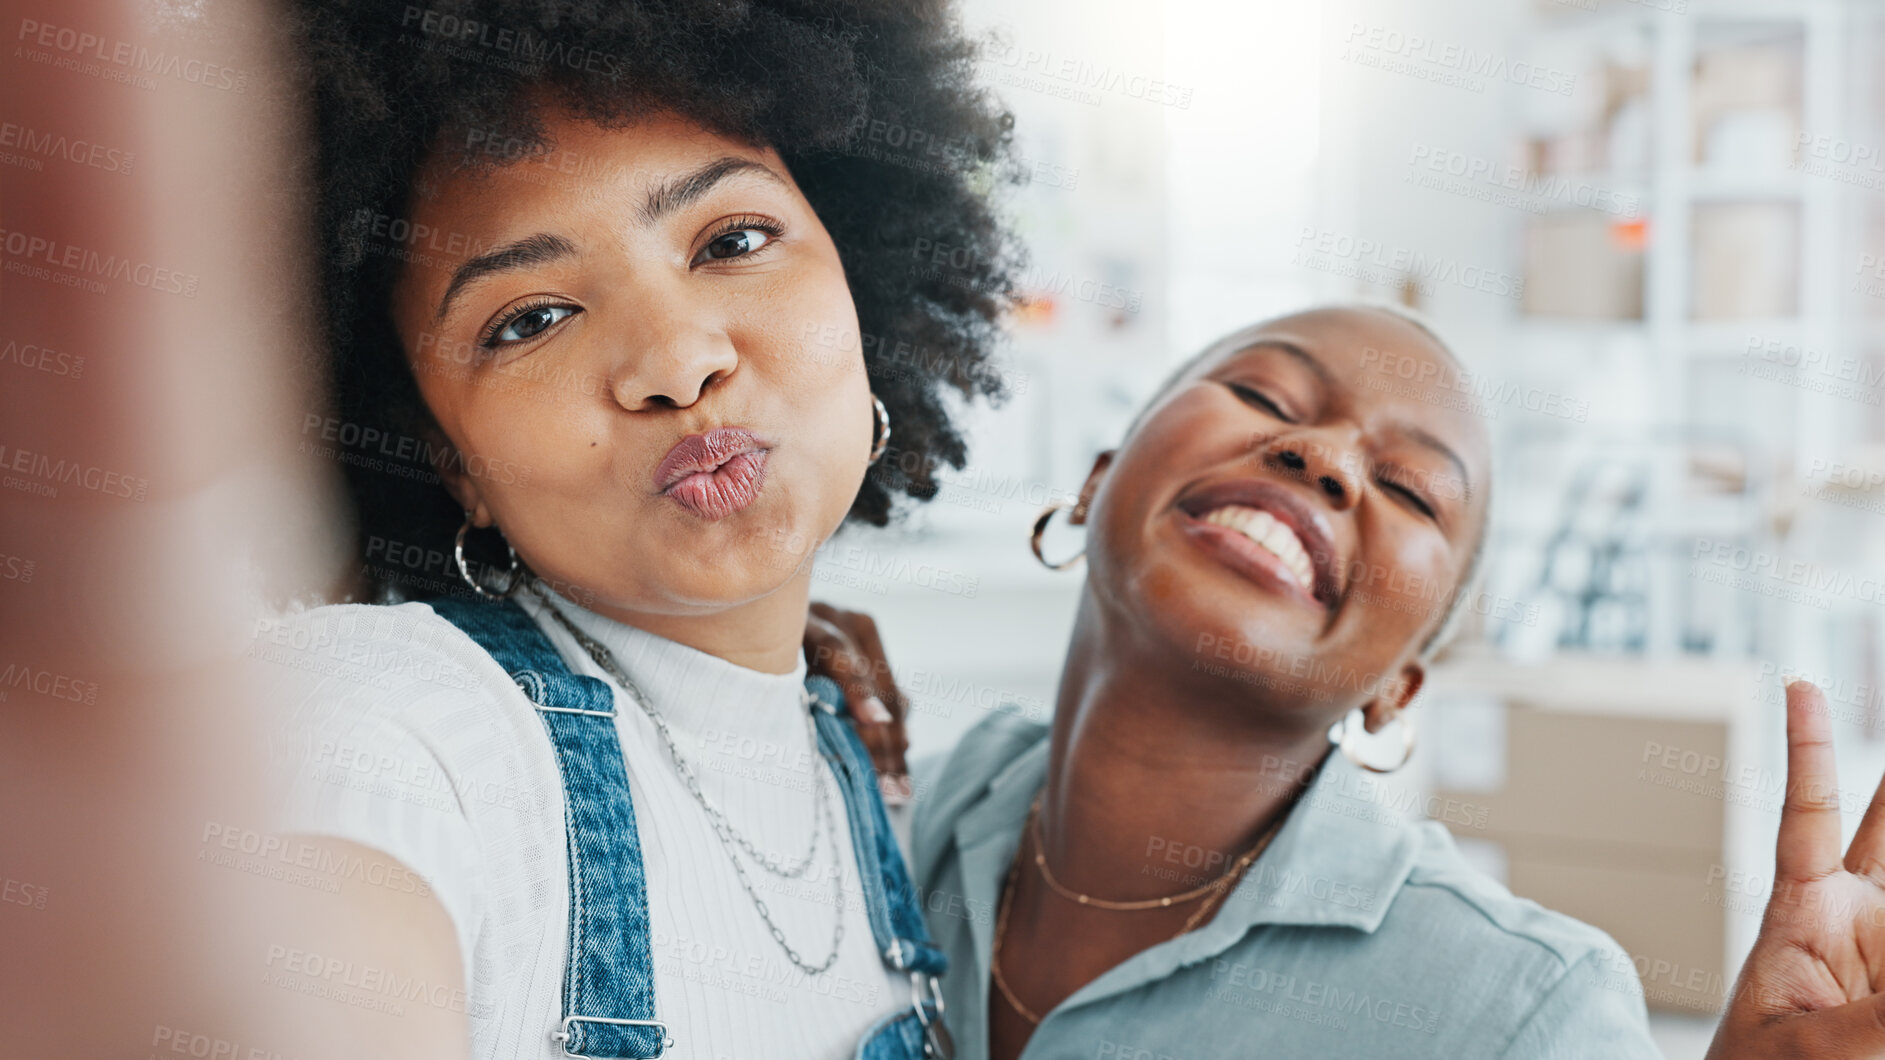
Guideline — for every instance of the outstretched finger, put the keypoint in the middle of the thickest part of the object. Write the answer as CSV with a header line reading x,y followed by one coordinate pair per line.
x,y
1809,819
1866,856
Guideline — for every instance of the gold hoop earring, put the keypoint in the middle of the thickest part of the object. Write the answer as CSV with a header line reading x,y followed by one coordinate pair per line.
x,y
883,428
512,576
1040,528
1348,750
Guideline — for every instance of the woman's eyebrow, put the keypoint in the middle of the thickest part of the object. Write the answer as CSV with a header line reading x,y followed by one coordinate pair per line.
x,y
1307,359
539,249
677,192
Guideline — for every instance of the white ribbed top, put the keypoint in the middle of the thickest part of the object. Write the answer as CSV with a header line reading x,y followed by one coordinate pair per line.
x,y
407,738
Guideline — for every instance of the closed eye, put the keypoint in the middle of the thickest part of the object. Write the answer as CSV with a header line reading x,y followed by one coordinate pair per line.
x,y
1252,396
1413,498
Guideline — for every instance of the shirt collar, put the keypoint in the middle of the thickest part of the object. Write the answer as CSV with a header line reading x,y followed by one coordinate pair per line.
x,y
1339,860
1341,856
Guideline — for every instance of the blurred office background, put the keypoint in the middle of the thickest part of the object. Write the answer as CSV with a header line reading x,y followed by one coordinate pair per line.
x,y
1654,230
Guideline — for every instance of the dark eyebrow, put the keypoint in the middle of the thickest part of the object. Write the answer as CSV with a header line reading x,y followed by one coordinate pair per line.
x,y
671,195
540,249
1307,359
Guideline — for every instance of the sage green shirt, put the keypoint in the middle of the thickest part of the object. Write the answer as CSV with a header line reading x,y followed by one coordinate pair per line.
x,y
1356,934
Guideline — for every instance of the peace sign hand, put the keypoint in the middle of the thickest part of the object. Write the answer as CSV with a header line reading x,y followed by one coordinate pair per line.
x,y
1812,985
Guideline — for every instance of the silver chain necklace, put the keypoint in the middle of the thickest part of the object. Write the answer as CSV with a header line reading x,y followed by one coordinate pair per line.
x,y
730,839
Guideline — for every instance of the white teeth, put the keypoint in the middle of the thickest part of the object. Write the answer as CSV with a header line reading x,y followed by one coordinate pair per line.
x,y
1266,530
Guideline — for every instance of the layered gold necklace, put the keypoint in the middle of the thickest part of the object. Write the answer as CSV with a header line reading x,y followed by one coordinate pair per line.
x,y
1211,891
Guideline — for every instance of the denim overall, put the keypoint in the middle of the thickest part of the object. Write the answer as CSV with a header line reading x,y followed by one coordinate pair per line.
x,y
608,992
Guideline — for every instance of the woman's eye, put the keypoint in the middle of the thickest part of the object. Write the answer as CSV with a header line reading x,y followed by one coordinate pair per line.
x,y
530,323
1413,498
1253,396
735,244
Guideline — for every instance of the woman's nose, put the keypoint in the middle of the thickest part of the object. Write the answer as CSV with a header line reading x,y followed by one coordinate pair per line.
x,y
1330,469
672,367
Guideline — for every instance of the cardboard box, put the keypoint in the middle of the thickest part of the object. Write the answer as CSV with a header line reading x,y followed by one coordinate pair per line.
x,y
1617,794
1661,914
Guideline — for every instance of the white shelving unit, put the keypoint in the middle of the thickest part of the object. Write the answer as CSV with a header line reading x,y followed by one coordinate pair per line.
x,y
1681,354
1686,359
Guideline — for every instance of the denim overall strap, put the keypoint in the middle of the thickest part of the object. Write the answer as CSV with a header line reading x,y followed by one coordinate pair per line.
x,y
609,988
896,915
890,899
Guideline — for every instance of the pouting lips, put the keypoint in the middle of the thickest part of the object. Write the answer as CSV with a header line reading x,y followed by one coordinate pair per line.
x,y
1281,523
715,474
698,453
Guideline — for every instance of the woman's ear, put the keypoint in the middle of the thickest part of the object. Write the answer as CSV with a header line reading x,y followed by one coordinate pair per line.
x,y
1094,477
460,483
1394,698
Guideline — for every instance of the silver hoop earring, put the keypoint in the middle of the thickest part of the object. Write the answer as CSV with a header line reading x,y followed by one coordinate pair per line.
x,y
1040,528
1348,750
883,428
511,577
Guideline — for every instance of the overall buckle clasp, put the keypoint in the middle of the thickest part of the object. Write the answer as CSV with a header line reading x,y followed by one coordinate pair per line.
x,y
562,1037
925,991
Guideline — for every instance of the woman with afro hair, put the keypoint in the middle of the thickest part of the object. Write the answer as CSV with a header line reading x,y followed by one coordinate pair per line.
x,y
605,286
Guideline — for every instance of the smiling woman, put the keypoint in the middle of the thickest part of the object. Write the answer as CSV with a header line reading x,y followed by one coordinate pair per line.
x,y
1249,545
